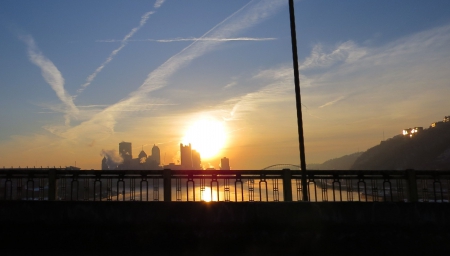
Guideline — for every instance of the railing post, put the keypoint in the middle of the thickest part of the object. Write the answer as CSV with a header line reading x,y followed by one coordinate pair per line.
x,y
167,175
52,184
412,185
287,187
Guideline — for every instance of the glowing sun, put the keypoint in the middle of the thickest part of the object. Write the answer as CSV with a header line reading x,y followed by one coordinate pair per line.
x,y
207,136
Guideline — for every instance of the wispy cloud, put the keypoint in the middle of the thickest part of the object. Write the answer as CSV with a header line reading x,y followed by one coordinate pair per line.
x,y
123,42
347,51
191,39
332,102
52,76
158,3
249,15
229,85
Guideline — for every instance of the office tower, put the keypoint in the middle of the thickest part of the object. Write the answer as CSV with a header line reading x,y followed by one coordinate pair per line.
x,y
105,163
224,164
156,155
196,161
186,156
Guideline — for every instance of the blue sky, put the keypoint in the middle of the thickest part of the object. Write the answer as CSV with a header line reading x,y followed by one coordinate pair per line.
x,y
78,77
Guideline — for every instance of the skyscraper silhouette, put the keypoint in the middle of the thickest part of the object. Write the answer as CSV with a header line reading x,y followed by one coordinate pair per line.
x,y
224,164
186,156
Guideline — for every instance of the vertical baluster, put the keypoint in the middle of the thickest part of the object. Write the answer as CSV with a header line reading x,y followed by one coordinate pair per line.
x,y
74,184
298,184
214,181
141,184
191,181
324,189
19,188
109,189
387,186
86,188
9,188
226,190
276,192
437,184
121,187
132,189
400,190
156,189
99,182
263,181
41,195
362,188
374,189
336,184
202,189
178,189
251,190
313,182
30,187
238,180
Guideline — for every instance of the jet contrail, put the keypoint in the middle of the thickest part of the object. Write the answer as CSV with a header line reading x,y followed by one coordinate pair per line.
x,y
158,77
190,39
158,3
124,41
52,76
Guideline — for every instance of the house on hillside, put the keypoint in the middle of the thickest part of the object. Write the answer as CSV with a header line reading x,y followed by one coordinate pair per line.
x,y
412,131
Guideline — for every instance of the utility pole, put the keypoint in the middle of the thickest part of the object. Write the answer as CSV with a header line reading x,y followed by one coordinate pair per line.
x,y
298,102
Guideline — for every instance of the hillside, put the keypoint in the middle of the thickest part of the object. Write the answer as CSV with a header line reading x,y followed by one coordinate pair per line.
x,y
340,163
426,150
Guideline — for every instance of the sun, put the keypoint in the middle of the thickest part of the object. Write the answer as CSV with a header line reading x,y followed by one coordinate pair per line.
x,y
207,136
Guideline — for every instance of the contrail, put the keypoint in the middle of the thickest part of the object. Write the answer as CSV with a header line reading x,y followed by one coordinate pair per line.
x,y
90,78
191,39
158,77
52,76
158,3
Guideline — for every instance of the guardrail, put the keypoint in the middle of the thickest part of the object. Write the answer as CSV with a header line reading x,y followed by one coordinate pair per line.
x,y
228,186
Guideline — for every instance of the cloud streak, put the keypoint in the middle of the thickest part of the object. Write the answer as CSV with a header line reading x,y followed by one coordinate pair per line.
x,y
191,39
52,76
248,16
123,42
158,3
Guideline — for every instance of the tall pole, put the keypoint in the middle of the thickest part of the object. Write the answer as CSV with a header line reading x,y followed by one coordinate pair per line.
x,y
298,101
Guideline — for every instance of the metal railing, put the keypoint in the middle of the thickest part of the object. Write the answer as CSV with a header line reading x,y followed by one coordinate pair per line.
x,y
227,186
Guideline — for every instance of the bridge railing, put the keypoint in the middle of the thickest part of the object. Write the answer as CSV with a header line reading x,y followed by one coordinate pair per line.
x,y
227,186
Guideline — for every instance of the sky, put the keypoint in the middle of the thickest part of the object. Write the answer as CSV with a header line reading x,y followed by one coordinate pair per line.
x,y
78,77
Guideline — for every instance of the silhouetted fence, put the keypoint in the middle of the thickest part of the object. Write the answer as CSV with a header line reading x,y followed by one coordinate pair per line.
x,y
228,186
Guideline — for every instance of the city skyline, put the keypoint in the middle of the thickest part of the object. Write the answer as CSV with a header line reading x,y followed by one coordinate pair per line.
x,y
79,76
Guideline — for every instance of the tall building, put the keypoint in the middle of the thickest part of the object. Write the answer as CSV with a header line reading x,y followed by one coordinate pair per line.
x,y
105,163
186,156
196,161
224,164
156,155
125,152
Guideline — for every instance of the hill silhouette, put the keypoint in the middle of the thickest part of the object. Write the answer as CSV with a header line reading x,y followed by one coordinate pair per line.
x,y
426,150
340,163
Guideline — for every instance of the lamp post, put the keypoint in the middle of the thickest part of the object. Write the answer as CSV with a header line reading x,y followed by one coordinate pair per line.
x,y
298,102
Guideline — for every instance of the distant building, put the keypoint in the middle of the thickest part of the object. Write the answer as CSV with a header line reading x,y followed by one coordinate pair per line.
x,y
412,131
125,151
436,124
186,156
142,162
105,164
224,164
446,119
196,161
156,155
